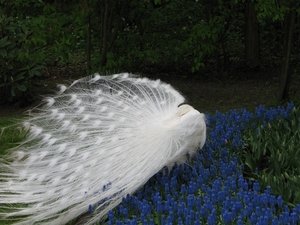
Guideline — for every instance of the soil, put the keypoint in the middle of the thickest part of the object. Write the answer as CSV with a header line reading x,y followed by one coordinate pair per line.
x,y
244,90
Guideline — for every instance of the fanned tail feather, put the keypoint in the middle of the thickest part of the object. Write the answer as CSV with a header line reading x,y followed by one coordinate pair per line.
x,y
92,144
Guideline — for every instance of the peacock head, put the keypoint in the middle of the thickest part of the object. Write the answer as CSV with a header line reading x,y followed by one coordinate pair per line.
x,y
192,122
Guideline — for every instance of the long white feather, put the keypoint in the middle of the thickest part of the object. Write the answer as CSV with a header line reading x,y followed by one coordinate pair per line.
x,y
92,144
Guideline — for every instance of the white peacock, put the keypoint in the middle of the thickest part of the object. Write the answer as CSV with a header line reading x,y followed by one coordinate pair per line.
x,y
102,131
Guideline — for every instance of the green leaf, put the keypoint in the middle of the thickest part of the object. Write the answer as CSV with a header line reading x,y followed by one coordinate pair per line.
x,y
214,38
3,53
12,90
20,76
250,162
4,42
21,87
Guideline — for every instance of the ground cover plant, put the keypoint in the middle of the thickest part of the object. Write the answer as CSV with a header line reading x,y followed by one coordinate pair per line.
x,y
272,152
230,181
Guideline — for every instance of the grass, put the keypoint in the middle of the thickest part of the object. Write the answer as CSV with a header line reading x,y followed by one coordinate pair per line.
x,y
10,134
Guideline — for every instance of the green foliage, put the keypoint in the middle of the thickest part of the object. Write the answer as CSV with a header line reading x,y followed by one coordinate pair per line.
x,y
276,10
153,34
271,155
22,57
63,33
214,31
191,35
176,35
31,40
162,35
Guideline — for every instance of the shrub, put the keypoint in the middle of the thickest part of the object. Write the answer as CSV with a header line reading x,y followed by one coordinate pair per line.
x,y
22,56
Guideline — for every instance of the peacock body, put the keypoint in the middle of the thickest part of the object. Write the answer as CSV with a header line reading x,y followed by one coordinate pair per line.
x,y
93,143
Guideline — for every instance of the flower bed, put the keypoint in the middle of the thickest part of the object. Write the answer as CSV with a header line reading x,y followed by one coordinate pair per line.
x,y
213,188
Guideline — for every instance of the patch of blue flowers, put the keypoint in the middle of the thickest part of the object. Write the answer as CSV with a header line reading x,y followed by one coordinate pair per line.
x,y
211,189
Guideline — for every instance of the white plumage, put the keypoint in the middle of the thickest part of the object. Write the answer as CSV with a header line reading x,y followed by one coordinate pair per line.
x,y
92,144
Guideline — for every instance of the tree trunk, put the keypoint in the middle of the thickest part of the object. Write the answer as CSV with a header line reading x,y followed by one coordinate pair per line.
x,y
110,26
117,26
251,37
88,37
289,22
8,8
104,31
